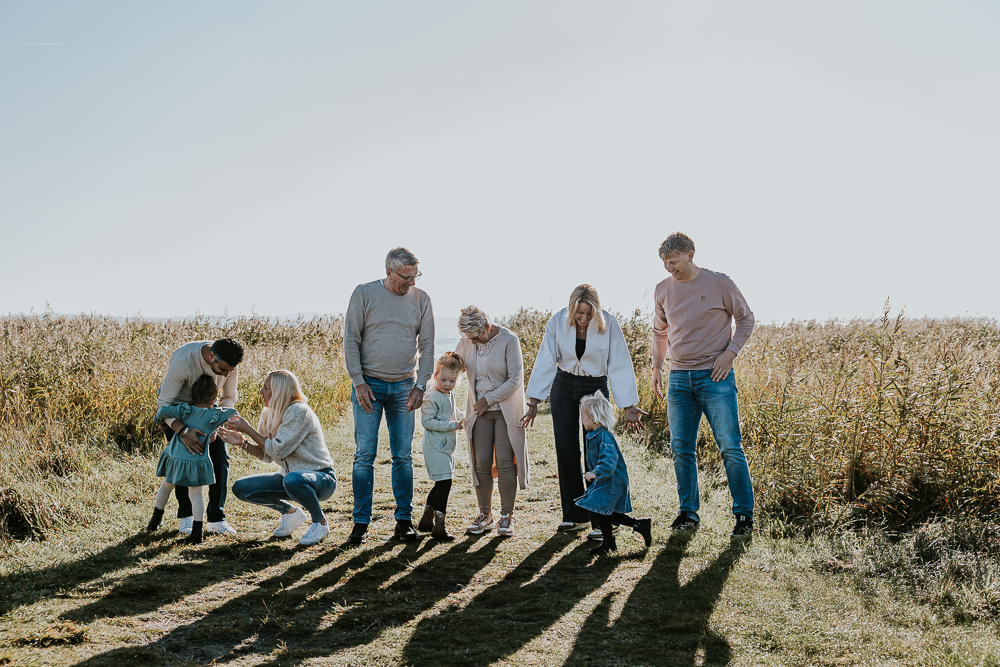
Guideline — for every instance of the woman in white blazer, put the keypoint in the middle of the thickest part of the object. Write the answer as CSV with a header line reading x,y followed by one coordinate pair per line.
x,y
495,369
583,351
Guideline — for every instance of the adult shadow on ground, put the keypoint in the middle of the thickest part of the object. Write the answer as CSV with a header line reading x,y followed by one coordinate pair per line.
x,y
511,612
370,612
25,588
168,583
265,611
662,621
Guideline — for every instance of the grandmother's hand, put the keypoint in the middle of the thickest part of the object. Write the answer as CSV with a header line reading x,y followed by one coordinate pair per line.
x,y
479,407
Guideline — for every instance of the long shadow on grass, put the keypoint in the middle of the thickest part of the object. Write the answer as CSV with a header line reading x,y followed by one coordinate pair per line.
x,y
167,583
370,610
510,613
239,625
661,618
26,588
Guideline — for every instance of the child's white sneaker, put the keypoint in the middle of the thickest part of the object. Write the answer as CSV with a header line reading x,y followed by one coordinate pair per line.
x,y
220,528
186,525
289,522
315,534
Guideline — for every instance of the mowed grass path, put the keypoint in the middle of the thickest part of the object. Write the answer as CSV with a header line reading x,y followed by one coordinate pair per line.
x,y
107,594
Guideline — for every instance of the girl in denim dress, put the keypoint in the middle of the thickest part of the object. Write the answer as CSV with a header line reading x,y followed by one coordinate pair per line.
x,y
607,497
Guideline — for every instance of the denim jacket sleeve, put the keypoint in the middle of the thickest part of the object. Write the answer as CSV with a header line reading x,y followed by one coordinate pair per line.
x,y
607,456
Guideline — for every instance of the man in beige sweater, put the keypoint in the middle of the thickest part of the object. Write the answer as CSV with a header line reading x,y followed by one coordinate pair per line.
x,y
218,359
388,329
693,325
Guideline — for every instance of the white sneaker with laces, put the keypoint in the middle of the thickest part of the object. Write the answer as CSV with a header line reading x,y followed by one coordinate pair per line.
x,y
186,525
289,522
220,527
315,534
506,525
480,524
595,535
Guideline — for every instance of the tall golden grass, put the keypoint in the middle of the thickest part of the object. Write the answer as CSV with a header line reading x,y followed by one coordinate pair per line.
x,y
73,389
888,419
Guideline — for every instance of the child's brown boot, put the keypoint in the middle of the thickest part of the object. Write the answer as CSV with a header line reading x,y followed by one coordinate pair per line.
x,y
440,533
427,520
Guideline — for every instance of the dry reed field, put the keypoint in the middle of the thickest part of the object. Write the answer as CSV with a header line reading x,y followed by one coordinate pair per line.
x,y
873,446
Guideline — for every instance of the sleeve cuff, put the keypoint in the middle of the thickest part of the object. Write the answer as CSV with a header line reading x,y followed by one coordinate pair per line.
x,y
358,379
169,422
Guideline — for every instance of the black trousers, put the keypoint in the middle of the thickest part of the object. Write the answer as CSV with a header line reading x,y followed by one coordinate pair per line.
x,y
564,398
215,510
438,497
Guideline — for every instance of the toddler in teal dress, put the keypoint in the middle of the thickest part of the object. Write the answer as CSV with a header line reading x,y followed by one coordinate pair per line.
x,y
179,467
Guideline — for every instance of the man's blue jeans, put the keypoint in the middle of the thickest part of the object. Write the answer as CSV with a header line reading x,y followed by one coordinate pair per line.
x,y
689,395
390,398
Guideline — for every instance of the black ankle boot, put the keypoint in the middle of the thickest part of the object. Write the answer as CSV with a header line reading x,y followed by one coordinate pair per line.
x,y
645,528
196,533
155,521
607,546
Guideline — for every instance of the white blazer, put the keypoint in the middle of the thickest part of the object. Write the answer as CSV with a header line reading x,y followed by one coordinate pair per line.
x,y
606,354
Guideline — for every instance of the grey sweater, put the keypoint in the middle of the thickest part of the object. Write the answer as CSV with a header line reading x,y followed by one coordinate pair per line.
x,y
385,334
299,442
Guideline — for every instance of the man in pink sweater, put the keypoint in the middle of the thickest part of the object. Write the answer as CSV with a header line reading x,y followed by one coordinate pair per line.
x,y
693,327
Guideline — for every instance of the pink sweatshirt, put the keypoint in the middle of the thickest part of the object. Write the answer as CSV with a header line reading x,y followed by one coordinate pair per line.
x,y
693,321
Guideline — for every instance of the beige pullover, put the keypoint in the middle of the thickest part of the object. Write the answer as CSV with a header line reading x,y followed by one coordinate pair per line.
x,y
383,332
692,323
186,365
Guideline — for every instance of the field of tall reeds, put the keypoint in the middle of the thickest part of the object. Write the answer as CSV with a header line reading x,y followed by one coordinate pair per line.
x,y
76,390
891,420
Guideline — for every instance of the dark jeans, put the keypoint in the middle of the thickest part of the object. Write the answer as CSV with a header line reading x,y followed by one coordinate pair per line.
x,y
216,509
564,398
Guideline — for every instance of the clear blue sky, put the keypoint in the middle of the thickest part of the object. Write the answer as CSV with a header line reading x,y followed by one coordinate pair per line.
x,y
182,157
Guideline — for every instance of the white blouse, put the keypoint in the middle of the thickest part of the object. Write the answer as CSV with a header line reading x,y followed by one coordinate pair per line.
x,y
483,383
606,355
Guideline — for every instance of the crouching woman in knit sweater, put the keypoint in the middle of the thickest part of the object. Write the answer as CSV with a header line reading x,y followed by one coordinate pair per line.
x,y
290,435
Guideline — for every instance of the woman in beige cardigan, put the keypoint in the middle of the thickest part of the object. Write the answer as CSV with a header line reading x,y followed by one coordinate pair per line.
x,y
495,370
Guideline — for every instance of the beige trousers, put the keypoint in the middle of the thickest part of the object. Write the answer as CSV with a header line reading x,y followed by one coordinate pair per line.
x,y
490,442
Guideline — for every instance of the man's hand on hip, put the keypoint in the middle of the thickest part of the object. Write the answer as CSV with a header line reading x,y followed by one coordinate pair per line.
x,y
192,443
365,396
723,364
414,400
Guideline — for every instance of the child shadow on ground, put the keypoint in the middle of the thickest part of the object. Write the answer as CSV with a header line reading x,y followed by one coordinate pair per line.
x,y
662,622
23,589
512,612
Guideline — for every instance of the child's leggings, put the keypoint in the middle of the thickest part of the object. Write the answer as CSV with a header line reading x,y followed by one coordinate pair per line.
x,y
438,497
194,493
604,521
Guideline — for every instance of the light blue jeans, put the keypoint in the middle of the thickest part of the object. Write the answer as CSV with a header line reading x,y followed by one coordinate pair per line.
x,y
689,395
271,489
390,398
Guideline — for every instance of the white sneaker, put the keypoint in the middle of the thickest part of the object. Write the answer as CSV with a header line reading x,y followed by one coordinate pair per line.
x,y
596,535
506,525
315,534
480,524
186,525
289,522
220,527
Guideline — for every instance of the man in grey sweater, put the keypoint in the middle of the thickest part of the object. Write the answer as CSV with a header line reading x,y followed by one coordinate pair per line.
x,y
388,329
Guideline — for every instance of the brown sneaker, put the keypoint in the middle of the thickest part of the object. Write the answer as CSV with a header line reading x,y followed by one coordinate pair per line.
x,y
482,523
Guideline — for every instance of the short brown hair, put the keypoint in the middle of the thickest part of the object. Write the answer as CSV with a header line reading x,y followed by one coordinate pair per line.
x,y
449,360
676,243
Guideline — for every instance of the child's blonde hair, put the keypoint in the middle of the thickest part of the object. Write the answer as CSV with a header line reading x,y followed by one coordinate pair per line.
x,y
449,360
285,390
599,408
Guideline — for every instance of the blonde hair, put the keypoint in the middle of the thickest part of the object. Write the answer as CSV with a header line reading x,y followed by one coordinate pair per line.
x,y
588,295
599,408
449,360
285,390
473,322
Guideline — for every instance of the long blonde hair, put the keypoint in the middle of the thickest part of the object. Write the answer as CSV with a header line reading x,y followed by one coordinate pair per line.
x,y
587,295
285,390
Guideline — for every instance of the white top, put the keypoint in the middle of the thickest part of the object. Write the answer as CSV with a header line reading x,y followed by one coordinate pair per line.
x,y
606,354
483,383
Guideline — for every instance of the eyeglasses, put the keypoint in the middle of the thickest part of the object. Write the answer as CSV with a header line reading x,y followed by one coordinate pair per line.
x,y
407,279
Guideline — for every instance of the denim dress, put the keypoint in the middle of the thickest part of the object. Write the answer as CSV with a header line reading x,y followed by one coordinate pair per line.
x,y
177,465
608,493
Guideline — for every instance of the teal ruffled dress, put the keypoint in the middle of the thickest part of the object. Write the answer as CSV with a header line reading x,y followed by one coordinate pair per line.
x,y
177,465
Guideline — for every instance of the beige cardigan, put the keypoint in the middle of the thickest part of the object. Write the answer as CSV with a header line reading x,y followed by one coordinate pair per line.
x,y
507,374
